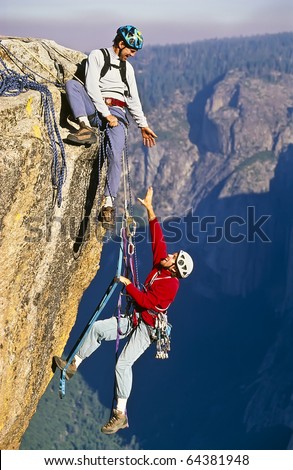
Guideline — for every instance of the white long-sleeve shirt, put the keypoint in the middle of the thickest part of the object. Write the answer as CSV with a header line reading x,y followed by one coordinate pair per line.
x,y
112,86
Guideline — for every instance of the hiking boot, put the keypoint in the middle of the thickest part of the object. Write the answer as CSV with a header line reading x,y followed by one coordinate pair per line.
x,y
118,421
71,369
85,135
107,217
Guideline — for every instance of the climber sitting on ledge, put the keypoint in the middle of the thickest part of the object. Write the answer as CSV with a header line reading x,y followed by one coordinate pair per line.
x,y
159,292
110,89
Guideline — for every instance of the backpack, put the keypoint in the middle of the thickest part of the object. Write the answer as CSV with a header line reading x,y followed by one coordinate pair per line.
x,y
122,68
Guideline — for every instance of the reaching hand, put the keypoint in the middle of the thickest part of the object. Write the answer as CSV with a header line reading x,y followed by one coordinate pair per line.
x,y
148,137
124,280
147,202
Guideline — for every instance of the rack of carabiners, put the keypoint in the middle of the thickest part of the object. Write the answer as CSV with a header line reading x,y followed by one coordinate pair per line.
x,y
163,336
126,257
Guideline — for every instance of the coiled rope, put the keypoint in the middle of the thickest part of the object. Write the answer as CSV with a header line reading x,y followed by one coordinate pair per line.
x,y
13,84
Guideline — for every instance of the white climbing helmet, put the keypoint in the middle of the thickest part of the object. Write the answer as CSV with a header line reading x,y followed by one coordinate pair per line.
x,y
184,263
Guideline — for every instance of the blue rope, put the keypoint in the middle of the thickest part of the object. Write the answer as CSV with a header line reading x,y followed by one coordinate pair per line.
x,y
34,73
13,84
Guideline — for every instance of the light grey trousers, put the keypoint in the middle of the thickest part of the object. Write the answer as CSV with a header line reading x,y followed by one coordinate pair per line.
x,y
139,340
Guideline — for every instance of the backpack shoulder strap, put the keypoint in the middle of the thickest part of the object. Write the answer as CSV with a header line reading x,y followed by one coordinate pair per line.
x,y
123,76
107,64
122,68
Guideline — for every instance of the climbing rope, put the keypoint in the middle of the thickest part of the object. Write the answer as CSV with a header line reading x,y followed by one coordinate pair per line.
x,y
49,47
102,159
13,84
17,61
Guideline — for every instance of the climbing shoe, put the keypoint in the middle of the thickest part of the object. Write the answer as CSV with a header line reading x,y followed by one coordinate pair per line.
x,y
107,217
118,421
71,369
85,135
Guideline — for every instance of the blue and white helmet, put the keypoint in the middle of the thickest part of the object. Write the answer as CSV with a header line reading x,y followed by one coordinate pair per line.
x,y
184,264
131,36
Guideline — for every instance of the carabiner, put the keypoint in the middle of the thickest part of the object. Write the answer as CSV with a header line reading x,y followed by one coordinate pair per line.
x,y
130,226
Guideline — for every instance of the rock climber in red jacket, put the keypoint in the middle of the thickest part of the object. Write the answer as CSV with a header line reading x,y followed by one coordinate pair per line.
x,y
151,305
162,283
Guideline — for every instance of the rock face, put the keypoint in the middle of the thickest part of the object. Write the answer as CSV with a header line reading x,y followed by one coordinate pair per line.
x,y
49,254
246,130
170,165
246,123
231,132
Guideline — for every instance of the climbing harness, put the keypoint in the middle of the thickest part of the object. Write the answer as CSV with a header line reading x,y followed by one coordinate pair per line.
x,y
13,84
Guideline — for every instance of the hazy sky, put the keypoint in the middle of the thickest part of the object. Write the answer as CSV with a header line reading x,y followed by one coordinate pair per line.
x,y
88,24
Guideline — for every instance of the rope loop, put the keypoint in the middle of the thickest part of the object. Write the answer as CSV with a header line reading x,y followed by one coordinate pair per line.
x,y
13,84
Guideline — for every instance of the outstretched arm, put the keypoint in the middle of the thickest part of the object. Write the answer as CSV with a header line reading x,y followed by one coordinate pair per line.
x,y
147,202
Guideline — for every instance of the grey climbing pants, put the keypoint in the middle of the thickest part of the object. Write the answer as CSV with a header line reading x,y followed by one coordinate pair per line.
x,y
138,341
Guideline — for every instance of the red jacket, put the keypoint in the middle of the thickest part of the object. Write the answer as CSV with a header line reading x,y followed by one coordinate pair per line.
x,y
160,287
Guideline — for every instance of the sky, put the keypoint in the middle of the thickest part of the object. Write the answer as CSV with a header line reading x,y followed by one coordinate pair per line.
x,y
89,24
